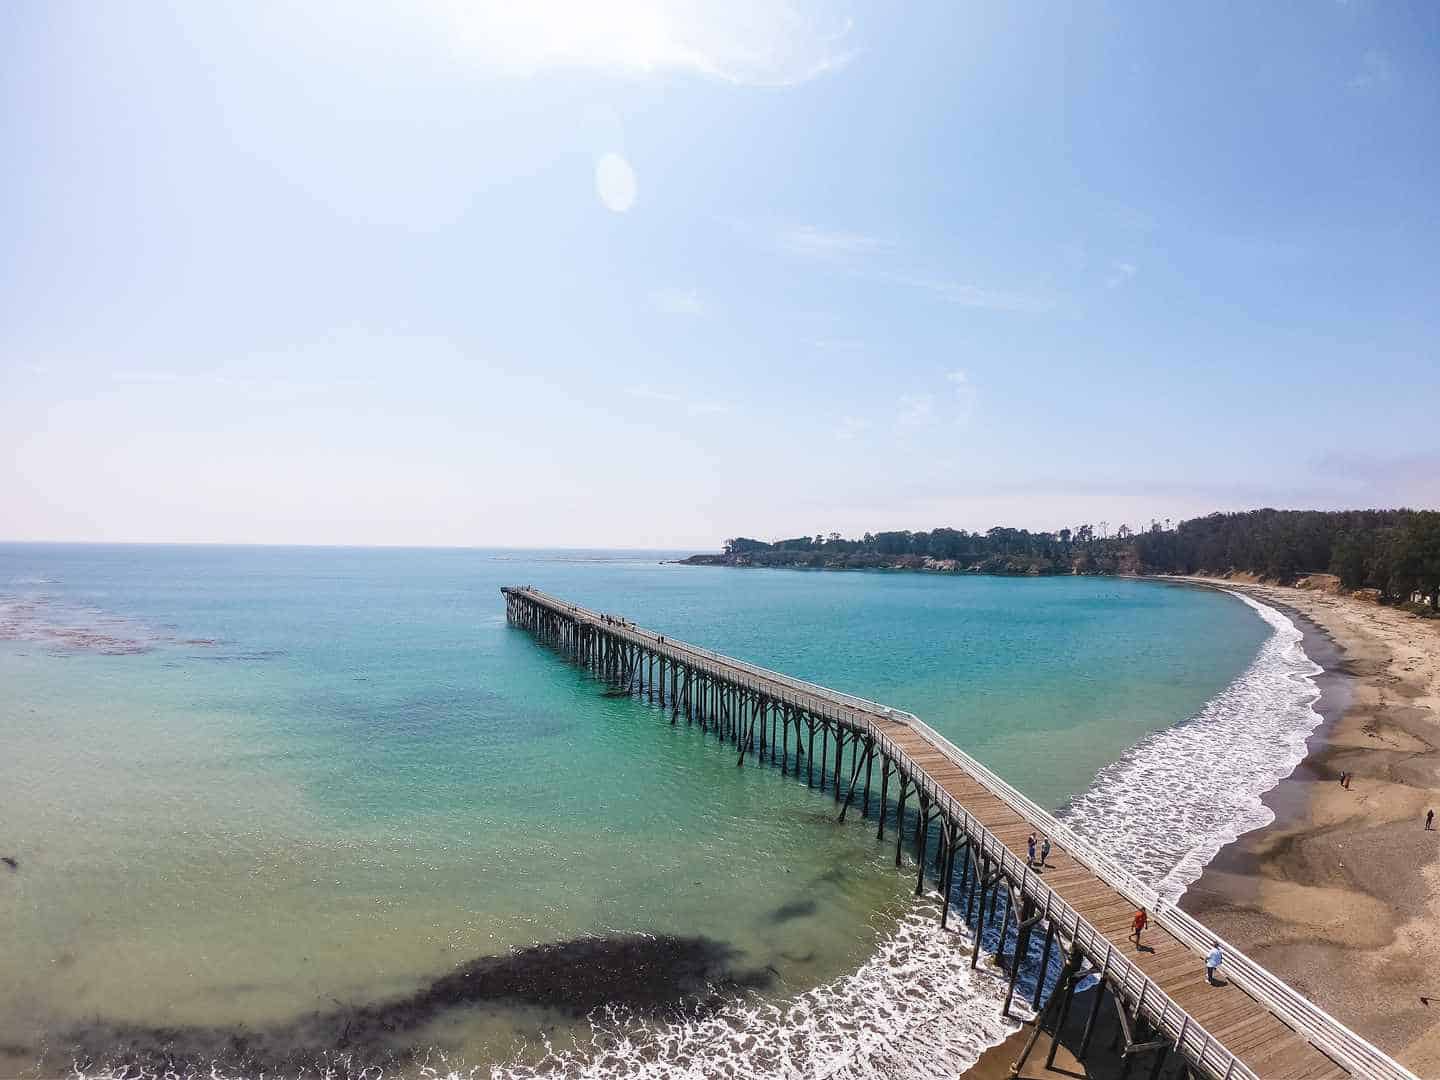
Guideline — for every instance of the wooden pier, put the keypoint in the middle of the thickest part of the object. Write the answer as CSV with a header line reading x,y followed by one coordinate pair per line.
x,y
1049,927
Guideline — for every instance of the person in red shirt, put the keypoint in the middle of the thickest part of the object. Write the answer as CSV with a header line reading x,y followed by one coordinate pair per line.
x,y
1141,922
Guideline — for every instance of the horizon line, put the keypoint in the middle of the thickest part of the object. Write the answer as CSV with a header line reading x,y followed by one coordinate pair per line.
x,y
338,547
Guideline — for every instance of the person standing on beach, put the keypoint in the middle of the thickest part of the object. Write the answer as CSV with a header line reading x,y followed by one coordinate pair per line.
x,y
1044,850
1429,820
1342,778
1141,922
1212,962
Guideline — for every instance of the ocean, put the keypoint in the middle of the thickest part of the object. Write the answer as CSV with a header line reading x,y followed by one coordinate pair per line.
x,y
287,809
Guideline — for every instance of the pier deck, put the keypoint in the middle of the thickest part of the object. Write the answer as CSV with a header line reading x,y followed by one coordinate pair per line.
x,y
1252,1025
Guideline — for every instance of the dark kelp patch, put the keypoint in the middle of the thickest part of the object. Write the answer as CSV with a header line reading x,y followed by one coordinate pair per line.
x,y
650,975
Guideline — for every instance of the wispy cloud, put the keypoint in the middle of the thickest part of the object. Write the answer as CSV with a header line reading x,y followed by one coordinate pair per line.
x,y
966,295
678,301
1412,479
814,242
1375,70
692,406
649,393
921,408
260,385
917,410
965,396
866,256
1120,272
746,42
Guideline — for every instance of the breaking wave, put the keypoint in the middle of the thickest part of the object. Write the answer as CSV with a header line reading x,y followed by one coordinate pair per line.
x,y
1180,795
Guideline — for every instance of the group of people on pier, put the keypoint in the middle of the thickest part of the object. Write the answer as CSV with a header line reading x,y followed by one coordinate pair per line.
x,y
1031,861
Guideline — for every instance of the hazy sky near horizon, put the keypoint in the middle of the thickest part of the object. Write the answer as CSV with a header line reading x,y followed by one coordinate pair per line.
x,y
652,274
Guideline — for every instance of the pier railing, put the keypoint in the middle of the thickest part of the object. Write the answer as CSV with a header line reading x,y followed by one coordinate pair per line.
x,y
1307,1019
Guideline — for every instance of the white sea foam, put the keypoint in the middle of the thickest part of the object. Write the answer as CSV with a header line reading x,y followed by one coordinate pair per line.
x,y
1180,795
914,1009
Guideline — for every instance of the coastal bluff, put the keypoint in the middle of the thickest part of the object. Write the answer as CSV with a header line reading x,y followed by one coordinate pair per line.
x,y
1002,565
1392,554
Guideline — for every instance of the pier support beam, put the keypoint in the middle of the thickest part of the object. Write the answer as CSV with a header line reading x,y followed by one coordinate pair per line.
x,y
900,821
1094,1006
884,794
1039,1022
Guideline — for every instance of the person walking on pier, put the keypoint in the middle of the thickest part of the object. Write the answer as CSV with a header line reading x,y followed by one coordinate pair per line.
x,y
1212,962
1044,850
1030,848
1141,922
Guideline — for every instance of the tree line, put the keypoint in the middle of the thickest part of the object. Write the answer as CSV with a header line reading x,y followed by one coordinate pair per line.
x,y
1395,552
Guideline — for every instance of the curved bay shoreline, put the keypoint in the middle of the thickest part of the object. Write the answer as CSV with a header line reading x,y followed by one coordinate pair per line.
x,y
1340,895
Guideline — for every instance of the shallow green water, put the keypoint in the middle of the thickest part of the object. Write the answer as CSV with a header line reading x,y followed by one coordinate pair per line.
x,y
247,784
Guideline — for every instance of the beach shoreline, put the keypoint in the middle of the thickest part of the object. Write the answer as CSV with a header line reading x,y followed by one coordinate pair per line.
x,y
1340,894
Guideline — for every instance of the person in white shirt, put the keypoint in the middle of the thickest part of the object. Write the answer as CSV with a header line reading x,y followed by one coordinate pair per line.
x,y
1213,961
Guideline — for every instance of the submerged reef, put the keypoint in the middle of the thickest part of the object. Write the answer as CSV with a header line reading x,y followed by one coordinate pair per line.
x,y
653,975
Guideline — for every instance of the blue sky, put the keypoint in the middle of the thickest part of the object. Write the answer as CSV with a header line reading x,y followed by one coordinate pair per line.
x,y
654,274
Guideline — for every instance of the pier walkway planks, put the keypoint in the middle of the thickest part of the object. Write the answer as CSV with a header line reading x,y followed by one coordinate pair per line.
x,y
1252,1024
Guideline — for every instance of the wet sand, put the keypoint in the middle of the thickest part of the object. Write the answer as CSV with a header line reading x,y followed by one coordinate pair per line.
x,y
1340,895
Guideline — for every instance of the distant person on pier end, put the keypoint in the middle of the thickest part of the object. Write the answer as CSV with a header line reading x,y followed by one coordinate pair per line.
x,y
1044,850
1030,850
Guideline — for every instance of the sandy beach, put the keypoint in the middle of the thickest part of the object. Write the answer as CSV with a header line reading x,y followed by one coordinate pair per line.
x,y
1340,896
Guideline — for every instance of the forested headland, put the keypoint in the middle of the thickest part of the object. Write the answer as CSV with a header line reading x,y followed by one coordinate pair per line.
x,y
1394,552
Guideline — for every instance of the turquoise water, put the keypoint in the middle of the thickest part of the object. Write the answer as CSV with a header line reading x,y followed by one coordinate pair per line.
x,y
246,786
